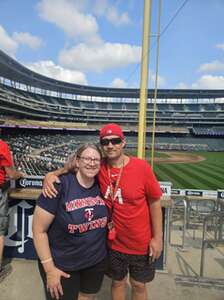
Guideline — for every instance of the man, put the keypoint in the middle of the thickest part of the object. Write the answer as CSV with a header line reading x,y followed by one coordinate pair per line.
x,y
132,195
6,171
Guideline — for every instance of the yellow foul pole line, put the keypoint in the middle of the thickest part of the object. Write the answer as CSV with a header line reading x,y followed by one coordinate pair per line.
x,y
144,80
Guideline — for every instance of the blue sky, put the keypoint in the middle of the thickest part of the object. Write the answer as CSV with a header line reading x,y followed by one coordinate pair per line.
x,y
98,42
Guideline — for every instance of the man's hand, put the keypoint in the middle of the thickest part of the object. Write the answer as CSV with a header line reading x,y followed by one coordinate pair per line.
x,y
155,248
48,185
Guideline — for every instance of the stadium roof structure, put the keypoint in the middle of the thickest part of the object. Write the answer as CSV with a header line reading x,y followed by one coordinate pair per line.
x,y
14,71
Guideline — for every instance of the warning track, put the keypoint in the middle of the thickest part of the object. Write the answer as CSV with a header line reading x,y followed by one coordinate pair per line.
x,y
179,157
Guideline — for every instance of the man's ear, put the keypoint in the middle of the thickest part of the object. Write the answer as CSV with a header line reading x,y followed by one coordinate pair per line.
x,y
123,143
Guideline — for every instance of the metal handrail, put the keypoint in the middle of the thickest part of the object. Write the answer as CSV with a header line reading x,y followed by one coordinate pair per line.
x,y
183,200
218,233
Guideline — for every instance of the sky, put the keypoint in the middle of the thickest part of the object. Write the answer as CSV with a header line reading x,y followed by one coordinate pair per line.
x,y
98,42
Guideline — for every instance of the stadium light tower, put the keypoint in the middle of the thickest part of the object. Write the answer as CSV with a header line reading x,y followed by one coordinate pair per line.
x,y
144,79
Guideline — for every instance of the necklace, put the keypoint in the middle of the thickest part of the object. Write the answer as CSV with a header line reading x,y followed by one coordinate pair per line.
x,y
113,194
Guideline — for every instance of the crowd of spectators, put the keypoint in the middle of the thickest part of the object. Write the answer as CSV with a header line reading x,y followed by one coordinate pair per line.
x,y
211,132
37,154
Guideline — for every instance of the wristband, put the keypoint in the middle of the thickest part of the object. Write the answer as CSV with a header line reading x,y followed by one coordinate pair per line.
x,y
46,260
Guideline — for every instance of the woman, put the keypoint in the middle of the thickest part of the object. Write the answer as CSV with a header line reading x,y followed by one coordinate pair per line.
x,y
70,233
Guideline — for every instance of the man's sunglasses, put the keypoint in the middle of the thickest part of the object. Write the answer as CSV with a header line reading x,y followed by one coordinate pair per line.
x,y
113,141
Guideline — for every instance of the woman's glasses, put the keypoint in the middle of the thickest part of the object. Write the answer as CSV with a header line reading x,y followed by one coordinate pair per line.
x,y
113,141
88,160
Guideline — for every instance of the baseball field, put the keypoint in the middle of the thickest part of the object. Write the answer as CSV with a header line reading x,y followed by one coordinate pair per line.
x,y
189,170
198,170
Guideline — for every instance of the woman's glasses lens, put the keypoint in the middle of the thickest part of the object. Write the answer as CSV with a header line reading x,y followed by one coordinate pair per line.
x,y
113,141
88,160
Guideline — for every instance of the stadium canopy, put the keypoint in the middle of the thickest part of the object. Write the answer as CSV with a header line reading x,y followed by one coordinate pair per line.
x,y
14,71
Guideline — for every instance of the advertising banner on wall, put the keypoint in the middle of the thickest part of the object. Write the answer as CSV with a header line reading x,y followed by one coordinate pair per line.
x,y
31,182
19,240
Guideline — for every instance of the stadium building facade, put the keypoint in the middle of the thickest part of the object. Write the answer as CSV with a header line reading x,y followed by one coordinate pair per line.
x,y
44,120
25,94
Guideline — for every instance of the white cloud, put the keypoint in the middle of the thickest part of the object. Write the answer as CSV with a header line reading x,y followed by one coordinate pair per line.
x,y
103,8
66,15
49,69
99,7
209,82
214,66
220,46
116,19
26,38
10,44
118,83
99,58
7,44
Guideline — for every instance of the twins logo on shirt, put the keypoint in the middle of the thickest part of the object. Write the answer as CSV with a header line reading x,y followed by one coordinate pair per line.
x,y
89,214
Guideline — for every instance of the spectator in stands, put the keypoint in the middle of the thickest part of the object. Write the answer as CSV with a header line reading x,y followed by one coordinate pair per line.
x,y
7,171
70,232
132,194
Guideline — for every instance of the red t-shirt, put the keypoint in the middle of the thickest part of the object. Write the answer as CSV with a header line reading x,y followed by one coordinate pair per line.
x,y
5,160
131,214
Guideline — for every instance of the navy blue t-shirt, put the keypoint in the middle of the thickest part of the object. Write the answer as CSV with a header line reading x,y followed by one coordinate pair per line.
x,y
77,235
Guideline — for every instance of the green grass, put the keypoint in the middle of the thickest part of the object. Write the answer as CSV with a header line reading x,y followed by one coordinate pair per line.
x,y
207,174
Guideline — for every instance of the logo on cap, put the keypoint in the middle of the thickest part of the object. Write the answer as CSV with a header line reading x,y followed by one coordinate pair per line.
x,y
109,131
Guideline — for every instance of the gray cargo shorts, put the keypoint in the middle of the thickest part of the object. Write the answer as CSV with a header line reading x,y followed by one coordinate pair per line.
x,y
4,212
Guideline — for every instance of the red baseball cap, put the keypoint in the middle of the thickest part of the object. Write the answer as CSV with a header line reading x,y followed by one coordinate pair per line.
x,y
111,129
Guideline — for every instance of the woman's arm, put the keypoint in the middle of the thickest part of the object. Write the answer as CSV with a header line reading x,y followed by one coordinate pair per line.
x,y
41,222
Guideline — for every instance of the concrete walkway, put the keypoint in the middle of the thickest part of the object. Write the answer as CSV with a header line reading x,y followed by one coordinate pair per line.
x,y
24,282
